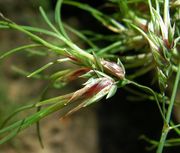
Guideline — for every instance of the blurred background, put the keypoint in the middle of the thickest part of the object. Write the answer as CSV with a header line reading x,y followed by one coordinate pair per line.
x,y
113,126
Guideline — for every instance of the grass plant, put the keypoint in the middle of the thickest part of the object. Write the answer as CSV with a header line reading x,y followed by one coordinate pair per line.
x,y
141,41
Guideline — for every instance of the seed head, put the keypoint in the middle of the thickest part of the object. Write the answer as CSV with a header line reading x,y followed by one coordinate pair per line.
x,y
113,69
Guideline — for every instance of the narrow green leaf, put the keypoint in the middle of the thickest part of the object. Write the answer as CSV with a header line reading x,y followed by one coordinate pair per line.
x,y
166,13
98,62
48,21
3,27
40,69
164,28
112,91
25,73
121,65
35,38
142,70
152,45
80,35
82,6
54,100
21,48
33,118
41,31
109,48
58,19
59,74
11,134
15,113
109,22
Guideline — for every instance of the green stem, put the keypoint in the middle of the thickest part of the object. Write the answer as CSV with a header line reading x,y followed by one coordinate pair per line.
x,y
109,48
54,48
142,71
38,39
147,89
162,139
166,127
169,112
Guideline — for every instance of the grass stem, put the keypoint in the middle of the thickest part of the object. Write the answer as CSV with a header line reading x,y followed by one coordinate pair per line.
x,y
166,127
